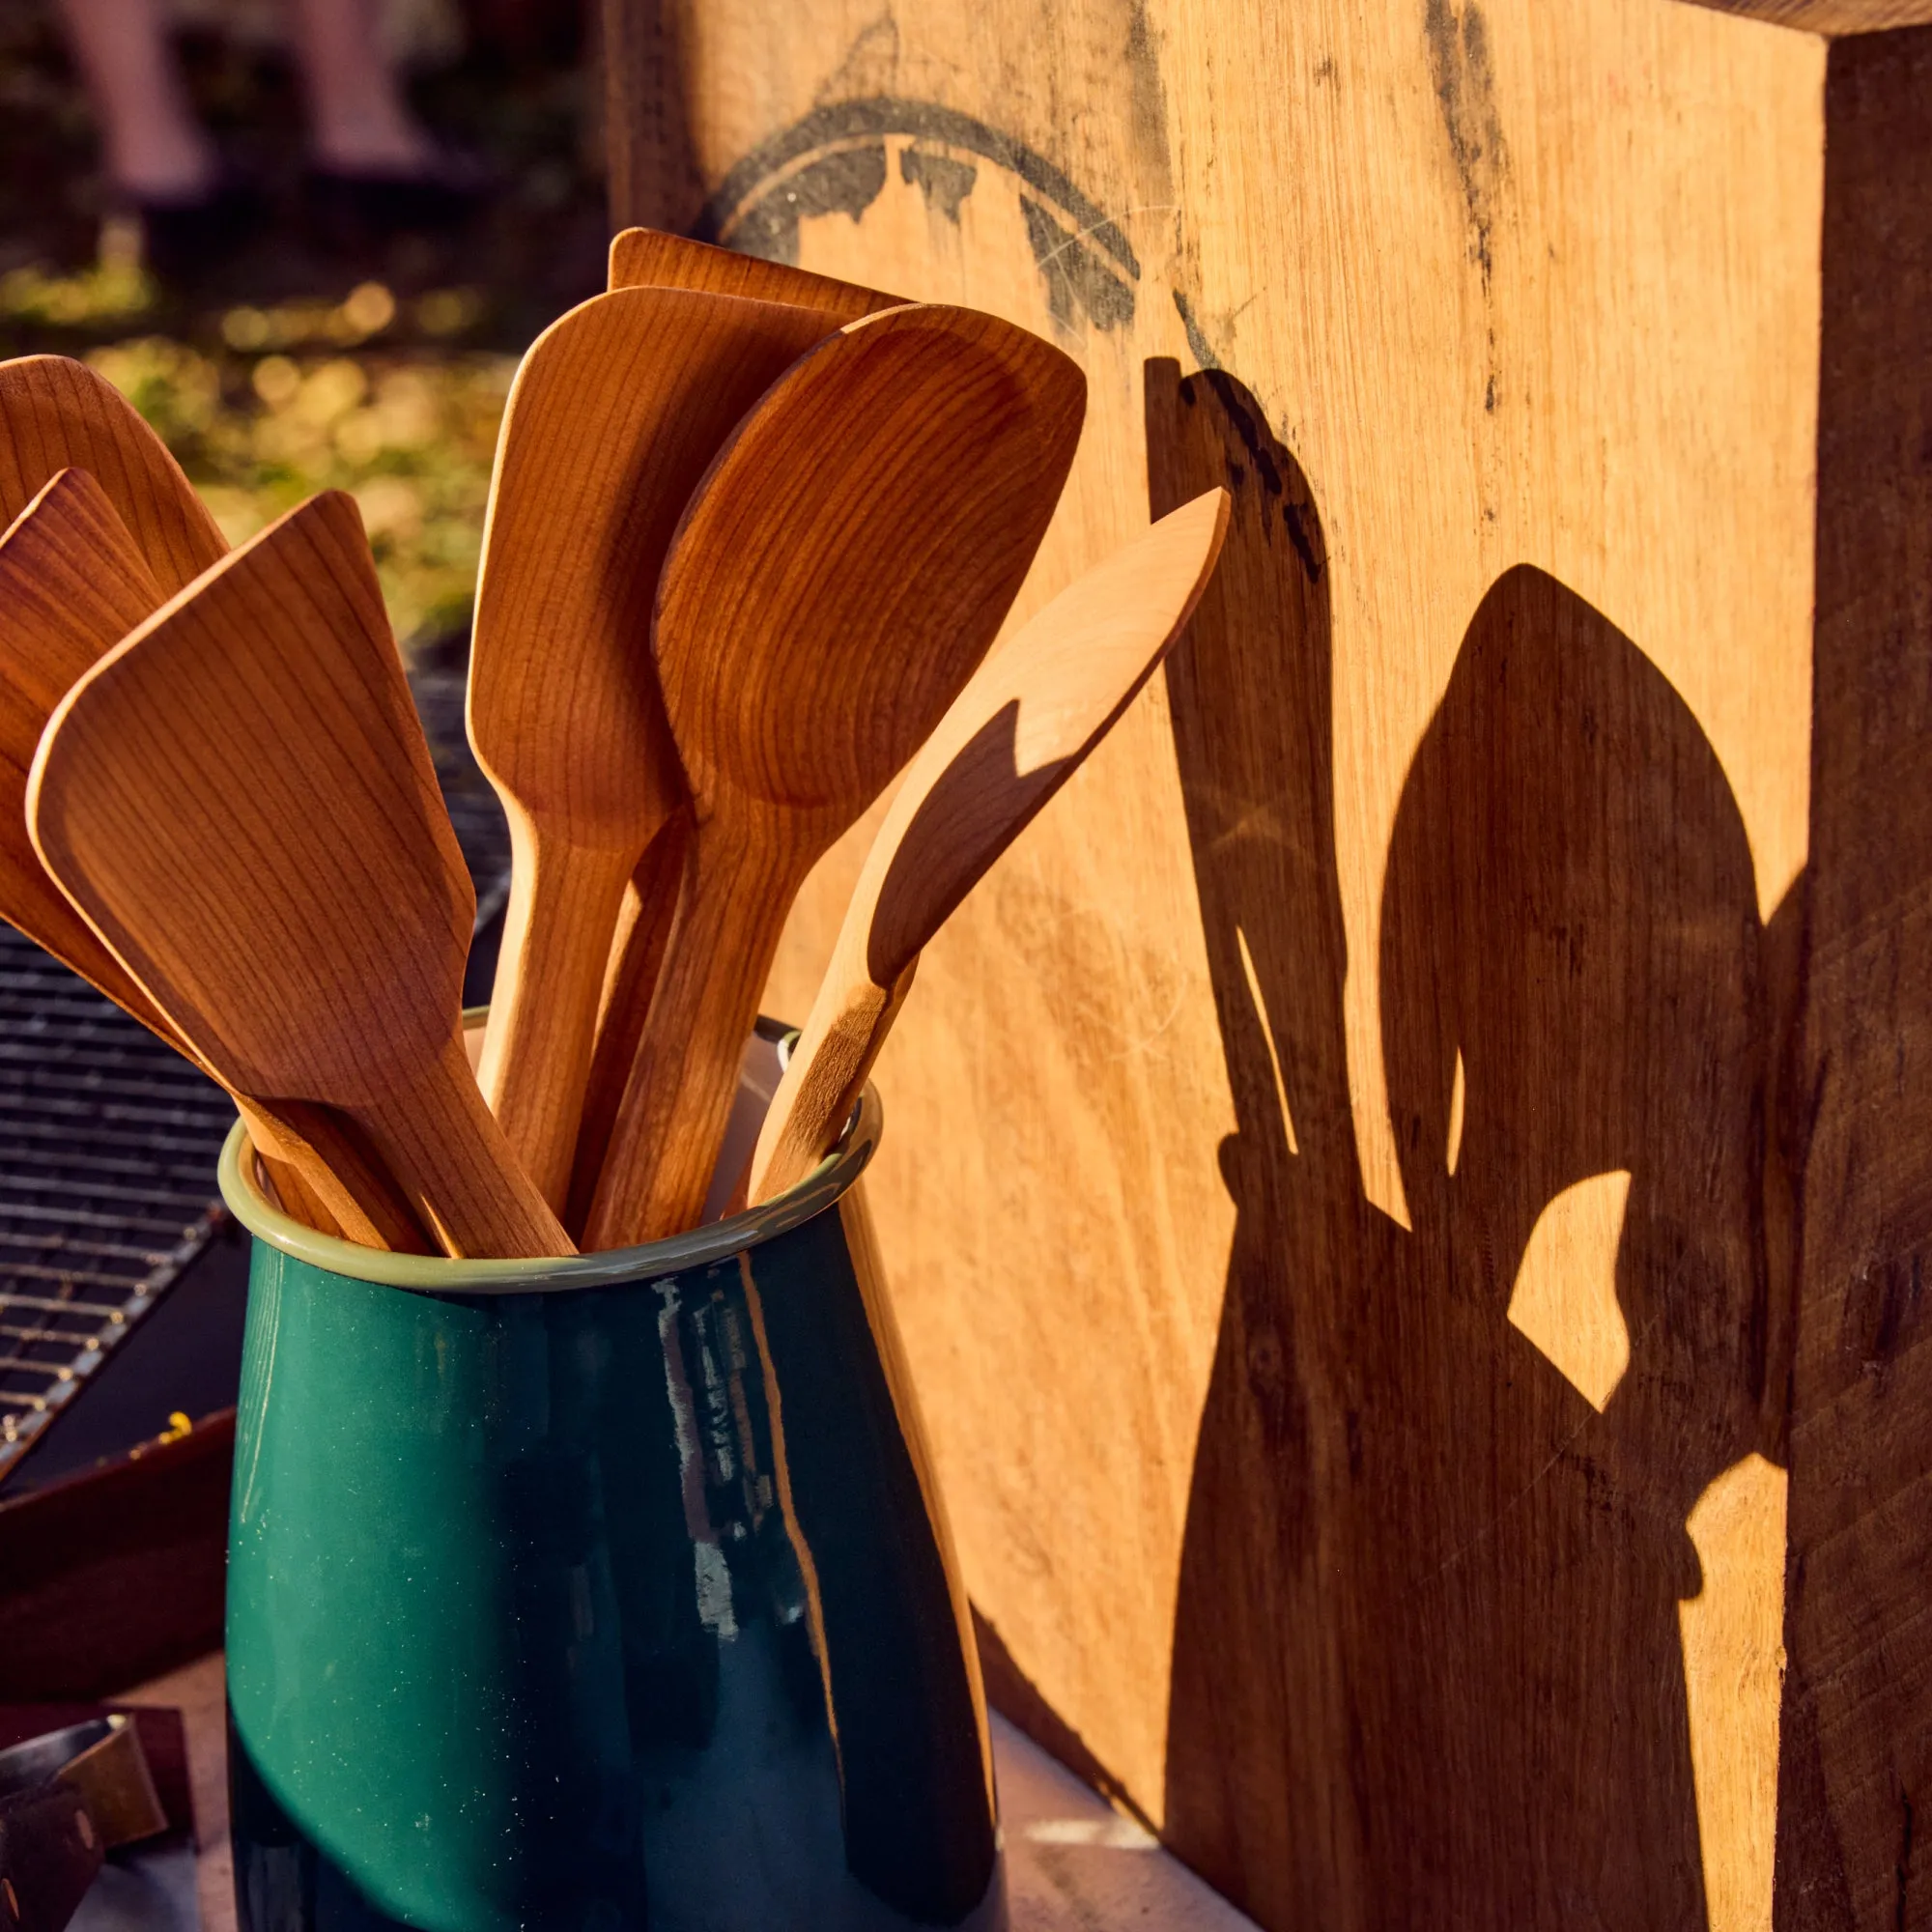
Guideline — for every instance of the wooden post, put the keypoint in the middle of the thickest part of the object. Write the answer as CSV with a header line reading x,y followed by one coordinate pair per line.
x,y
650,164
1857,1720
1404,1190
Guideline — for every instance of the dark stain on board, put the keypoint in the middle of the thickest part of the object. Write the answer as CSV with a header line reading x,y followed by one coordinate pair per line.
x,y
1459,66
1197,337
1075,276
1150,108
833,160
845,182
944,181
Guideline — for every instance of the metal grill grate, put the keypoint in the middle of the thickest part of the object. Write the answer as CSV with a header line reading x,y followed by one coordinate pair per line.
x,y
108,1142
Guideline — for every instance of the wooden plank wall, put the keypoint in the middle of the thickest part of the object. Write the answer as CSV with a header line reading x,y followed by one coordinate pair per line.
x,y
1852,1846
1350,1174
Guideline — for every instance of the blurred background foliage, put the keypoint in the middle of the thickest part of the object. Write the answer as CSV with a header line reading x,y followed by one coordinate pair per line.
x,y
310,359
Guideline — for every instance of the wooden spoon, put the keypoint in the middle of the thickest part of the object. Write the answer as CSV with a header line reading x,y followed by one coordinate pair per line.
x,y
73,584
57,414
238,799
647,258
619,409
1018,731
843,569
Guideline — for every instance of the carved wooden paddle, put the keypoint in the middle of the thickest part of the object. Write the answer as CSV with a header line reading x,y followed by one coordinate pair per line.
x,y
619,409
239,800
843,570
1019,730
58,415
647,258
73,584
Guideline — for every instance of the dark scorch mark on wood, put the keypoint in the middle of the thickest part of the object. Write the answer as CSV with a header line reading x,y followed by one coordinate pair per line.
x,y
944,181
1075,274
1459,65
845,182
834,159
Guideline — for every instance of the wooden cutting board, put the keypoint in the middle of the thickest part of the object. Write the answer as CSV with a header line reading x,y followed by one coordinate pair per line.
x,y
1341,1171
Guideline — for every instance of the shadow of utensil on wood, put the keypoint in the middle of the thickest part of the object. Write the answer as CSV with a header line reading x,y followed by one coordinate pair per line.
x,y
976,798
1427,1663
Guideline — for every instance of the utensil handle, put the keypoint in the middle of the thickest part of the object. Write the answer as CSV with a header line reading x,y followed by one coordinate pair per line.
x,y
563,908
441,1141
329,1179
323,1179
827,1071
670,1123
645,922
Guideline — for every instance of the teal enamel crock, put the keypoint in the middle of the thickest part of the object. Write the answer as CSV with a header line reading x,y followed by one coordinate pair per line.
x,y
611,1592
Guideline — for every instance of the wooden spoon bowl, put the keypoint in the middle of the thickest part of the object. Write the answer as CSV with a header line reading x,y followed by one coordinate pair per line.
x,y
73,584
844,567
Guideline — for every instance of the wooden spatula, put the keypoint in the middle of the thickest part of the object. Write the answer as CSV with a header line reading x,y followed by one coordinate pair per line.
x,y
647,258
73,584
57,414
1019,730
616,412
238,799
835,581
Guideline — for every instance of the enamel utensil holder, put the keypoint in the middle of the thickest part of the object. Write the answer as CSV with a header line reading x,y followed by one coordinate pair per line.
x,y
608,1592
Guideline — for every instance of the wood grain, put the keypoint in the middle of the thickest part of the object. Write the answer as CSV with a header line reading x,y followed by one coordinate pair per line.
x,y
645,921
1830,16
1023,726
649,159
1852,1850
647,258
73,584
57,414
1509,284
616,412
834,583
240,798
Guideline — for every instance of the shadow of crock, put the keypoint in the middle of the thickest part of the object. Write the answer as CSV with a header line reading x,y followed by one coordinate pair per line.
x,y
604,1592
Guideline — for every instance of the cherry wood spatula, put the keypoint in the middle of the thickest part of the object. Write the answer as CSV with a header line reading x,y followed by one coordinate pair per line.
x,y
648,258
238,799
1020,729
617,410
73,584
58,415
842,572
651,257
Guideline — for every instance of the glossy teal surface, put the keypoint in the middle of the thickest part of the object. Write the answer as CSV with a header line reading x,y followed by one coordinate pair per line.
x,y
615,1603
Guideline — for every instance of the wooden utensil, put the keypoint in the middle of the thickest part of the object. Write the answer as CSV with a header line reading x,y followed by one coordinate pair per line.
x,y
649,258
73,584
239,800
1018,731
57,414
619,409
843,570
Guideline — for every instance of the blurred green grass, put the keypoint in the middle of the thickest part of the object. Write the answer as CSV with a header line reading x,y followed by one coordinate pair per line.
x,y
411,436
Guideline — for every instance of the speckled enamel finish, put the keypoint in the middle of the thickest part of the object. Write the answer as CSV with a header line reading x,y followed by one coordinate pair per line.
x,y
611,1592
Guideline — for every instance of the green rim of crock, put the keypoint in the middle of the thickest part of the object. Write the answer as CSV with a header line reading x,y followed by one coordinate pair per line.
x,y
438,1274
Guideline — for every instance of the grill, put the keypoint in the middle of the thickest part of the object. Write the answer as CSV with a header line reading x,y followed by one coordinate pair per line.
x,y
109,1140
